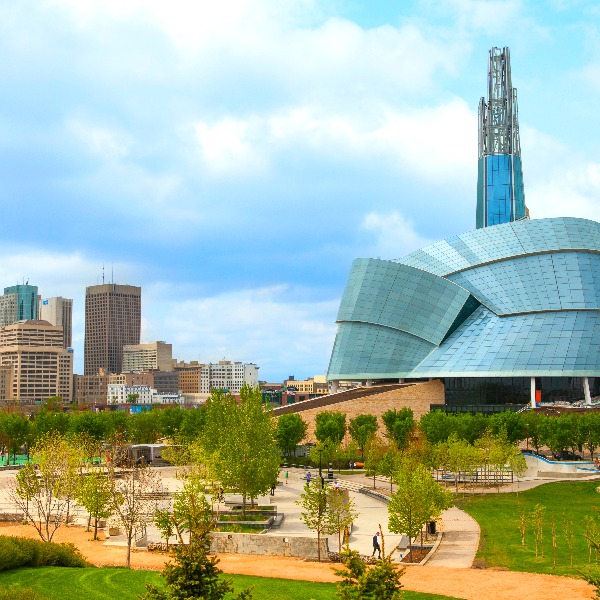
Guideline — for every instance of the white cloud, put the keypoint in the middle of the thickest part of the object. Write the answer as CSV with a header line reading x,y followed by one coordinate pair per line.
x,y
395,234
271,326
103,142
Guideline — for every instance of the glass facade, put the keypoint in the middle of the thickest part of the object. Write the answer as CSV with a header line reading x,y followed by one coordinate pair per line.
x,y
500,195
27,301
517,300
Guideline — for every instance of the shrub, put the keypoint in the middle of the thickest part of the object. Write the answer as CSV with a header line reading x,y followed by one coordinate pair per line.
x,y
16,552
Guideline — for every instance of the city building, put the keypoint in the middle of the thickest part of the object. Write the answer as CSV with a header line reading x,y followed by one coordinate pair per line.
x,y
503,315
41,366
5,382
59,311
152,356
202,378
314,386
112,321
139,394
19,303
90,389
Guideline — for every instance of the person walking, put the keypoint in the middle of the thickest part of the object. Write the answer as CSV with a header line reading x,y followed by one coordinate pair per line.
x,y
376,546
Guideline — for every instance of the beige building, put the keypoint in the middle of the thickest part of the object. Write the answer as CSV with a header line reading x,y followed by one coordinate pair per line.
x,y
5,382
90,389
112,321
316,386
153,356
200,378
41,367
59,311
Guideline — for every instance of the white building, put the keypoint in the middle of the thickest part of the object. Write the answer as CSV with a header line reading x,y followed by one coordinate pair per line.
x,y
119,393
227,375
58,311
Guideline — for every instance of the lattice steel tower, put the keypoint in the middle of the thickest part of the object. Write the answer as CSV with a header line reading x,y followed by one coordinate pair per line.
x,y
500,194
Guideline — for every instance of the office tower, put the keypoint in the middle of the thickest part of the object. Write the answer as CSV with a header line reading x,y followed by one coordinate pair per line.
x,y
112,320
19,303
154,356
500,194
41,367
59,311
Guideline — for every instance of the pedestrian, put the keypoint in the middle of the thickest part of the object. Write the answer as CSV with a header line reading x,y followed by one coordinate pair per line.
x,y
336,486
308,476
596,464
287,474
273,488
376,546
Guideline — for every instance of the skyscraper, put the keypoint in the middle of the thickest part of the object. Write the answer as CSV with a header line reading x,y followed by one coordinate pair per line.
x,y
19,303
500,194
59,311
112,320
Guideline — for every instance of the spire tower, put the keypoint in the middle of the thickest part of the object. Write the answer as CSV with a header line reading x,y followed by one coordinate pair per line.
x,y
500,194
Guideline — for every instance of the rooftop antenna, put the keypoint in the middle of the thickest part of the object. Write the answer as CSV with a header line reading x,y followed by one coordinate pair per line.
x,y
102,273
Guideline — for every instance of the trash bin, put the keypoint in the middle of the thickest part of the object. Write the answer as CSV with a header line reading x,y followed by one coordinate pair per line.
x,y
431,528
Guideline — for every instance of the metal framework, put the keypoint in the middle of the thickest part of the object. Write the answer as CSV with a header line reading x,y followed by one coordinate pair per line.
x,y
498,117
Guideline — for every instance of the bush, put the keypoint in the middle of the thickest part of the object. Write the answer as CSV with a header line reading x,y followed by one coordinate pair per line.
x,y
16,552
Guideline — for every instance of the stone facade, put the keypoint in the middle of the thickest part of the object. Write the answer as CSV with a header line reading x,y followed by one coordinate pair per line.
x,y
418,397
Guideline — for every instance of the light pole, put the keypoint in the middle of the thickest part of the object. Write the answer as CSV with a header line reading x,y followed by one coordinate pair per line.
x,y
320,451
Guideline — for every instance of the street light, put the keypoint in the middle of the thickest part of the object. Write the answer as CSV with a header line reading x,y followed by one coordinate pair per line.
x,y
320,451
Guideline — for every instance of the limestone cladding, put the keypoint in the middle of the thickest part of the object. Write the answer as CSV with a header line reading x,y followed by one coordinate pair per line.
x,y
418,397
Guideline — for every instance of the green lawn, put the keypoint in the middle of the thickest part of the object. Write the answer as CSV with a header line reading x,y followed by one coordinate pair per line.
x,y
498,517
59,583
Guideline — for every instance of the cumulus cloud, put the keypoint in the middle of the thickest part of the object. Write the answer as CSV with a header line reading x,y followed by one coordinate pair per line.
x,y
278,327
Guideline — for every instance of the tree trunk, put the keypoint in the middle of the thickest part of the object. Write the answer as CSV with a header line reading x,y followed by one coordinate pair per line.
x,y
129,537
319,544
95,528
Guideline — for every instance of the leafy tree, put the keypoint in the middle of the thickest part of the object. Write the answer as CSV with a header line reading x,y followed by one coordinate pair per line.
x,y
45,489
94,495
88,423
417,500
323,453
591,426
132,398
145,427
399,425
240,444
192,424
314,515
330,425
375,451
133,493
361,429
511,424
170,419
436,426
380,581
46,422
291,430
16,431
341,511
532,421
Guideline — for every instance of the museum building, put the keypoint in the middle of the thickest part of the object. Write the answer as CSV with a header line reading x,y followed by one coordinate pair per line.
x,y
504,315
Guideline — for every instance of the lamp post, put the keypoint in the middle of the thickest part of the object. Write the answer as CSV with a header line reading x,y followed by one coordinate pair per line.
x,y
320,451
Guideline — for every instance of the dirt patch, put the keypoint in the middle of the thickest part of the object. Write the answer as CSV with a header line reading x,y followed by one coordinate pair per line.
x,y
469,584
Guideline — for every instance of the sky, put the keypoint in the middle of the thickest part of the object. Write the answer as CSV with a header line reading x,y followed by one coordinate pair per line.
x,y
233,158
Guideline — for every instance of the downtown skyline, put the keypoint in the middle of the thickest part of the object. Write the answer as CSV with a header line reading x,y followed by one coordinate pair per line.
x,y
232,161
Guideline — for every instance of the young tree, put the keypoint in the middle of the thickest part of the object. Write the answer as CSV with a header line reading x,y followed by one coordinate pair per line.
x,y
240,444
418,500
94,495
330,425
45,489
341,511
361,429
315,514
291,430
375,450
399,425
133,498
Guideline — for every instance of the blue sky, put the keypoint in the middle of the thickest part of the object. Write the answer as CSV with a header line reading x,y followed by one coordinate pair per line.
x,y
233,160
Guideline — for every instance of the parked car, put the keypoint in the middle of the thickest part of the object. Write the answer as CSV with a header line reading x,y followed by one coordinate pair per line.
x,y
566,455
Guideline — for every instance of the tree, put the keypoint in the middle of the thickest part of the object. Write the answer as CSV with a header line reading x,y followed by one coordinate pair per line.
x,y
375,450
16,431
341,511
417,500
133,498
330,425
94,495
361,581
193,574
399,425
511,423
240,444
45,489
361,429
291,430
132,398
315,515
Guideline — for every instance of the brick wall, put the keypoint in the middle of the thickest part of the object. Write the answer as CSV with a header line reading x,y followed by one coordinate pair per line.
x,y
418,397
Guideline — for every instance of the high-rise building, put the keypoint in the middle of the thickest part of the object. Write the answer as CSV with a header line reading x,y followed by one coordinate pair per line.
x,y
112,321
59,311
500,193
19,303
199,378
41,367
153,356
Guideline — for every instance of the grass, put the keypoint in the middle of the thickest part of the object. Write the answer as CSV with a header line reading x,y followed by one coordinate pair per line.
x,y
56,583
498,516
